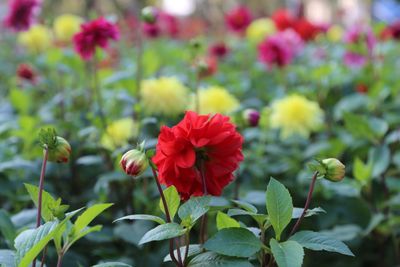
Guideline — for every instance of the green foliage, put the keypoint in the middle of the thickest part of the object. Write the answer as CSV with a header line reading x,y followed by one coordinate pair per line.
x,y
211,259
162,232
173,200
193,209
318,241
279,206
287,254
235,242
7,227
224,221
142,217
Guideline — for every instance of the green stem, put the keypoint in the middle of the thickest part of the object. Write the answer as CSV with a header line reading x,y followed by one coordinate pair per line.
x,y
97,92
40,194
60,259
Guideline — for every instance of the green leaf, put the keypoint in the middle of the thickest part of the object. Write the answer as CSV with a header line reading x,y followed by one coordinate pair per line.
x,y
317,241
259,218
362,172
162,232
145,217
310,212
20,100
48,201
112,264
379,158
287,254
211,259
173,200
7,258
83,233
224,221
279,206
358,126
193,250
246,206
7,228
30,242
237,242
88,216
193,209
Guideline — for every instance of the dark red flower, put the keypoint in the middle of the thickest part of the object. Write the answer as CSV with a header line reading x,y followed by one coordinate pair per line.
x,y
21,14
393,30
25,72
238,19
207,144
306,29
283,19
95,33
151,30
218,50
362,88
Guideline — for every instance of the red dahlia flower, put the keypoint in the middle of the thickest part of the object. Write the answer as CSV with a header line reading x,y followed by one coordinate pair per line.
x,y
207,144
219,50
25,72
94,33
306,29
238,19
21,14
283,19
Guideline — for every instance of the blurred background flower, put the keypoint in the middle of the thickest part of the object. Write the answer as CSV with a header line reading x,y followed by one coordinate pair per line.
x,y
37,39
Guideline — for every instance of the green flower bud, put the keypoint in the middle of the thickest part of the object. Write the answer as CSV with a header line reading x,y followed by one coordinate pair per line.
x,y
149,14
134,162
334,169
60,151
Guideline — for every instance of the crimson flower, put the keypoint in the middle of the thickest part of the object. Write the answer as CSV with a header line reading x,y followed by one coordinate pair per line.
x,y
21,14
238,19
151,30
219,50
283,19
275,50
306,29
207,66
199,154
25,72
94,33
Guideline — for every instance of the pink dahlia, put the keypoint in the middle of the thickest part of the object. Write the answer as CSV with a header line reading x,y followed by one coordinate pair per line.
x,y
95,33
21,14
275,50
238,19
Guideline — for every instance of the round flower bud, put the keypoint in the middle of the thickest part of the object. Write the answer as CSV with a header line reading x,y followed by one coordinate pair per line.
x,y
60,152
149,14
251,117
335,170
134,162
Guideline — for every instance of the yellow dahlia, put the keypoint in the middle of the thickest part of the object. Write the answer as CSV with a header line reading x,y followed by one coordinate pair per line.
x,y
165,95
259,29
215,99
65,26
118,133
37,39
335,33
295,114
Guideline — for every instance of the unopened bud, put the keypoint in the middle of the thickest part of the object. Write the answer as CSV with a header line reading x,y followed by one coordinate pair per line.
x,y
334,169
60,151
149,14
251,117
134,162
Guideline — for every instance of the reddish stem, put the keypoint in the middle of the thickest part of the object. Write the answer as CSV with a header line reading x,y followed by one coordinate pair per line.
x,y
308,201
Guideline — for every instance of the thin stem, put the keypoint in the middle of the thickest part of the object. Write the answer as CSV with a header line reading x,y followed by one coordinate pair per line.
x,y
60,259
203,226
43,256
168,217
41,185
97,92
308,201
187,240
262,263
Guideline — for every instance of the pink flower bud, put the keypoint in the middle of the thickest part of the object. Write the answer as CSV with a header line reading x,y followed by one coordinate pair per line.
x,y
251,117
60,152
